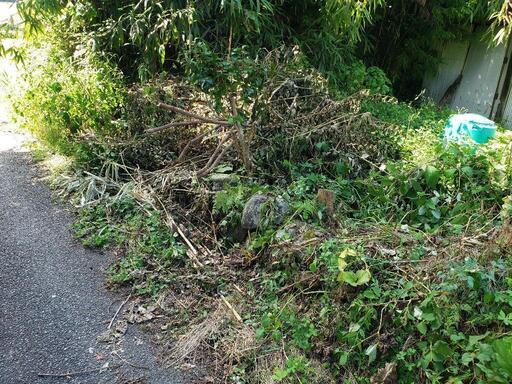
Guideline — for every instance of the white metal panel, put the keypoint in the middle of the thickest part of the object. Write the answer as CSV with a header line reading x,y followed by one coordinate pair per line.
x,y
480,78
453,57
505,97
507,112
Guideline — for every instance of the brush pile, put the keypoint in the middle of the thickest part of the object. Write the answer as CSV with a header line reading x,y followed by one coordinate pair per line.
x,y
293,118
366,290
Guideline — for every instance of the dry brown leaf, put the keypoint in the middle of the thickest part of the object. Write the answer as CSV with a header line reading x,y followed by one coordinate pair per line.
x,y
386,375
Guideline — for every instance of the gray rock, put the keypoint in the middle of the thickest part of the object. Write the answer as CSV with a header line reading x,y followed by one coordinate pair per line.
x,y
252,213
219,181
281,210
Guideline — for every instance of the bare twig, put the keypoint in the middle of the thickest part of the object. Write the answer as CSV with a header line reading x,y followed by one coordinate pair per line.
x,y
193,115
174,124
185,150
232,309
204,171
115,353
300,281
174,227
219,151
242,141
193,251
118,310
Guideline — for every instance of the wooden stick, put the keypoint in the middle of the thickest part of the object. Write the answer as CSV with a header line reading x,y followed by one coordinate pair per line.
x,y
235,313
127,362
203,172
193,115
174,124
174,227
244,147
213,157
191,247
118,309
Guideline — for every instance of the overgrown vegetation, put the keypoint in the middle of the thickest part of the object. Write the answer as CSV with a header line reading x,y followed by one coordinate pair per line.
x,y
67,98
377,252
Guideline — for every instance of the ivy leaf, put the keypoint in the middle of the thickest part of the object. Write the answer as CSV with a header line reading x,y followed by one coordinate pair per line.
x,y
422,328
436,213
503,350
343,359
466,358
279,374
354,327
432,175
355,279
371,352
363,276
342,264
441,351
468,171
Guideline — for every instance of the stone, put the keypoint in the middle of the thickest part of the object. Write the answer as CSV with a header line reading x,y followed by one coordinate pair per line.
x,y
281,210
220,181
251,216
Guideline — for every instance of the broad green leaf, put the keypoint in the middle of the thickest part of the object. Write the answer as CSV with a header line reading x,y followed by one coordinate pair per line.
x,y
503,350
371,352
363,276
422,328
342,264
466,358
441,351
354,327
343,359
432,175
355,279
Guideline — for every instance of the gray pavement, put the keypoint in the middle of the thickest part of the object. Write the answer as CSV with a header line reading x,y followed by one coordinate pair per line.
x,y
53,304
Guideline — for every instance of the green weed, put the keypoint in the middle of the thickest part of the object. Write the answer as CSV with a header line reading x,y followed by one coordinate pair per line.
x,y
149,253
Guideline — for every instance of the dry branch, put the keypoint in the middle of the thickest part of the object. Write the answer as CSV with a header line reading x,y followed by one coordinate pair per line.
x,y
193,251
118,310
193,115
174,124
185,150
242,142
232,309
217,155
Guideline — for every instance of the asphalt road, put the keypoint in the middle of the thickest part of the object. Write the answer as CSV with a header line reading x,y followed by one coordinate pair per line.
x,y
53,304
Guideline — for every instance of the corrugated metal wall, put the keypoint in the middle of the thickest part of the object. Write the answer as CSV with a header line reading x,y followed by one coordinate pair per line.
x,y
480,78
453,58
481,69
507,113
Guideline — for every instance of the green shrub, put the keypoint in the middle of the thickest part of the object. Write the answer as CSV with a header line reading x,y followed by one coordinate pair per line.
x,y
66,100
144,244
